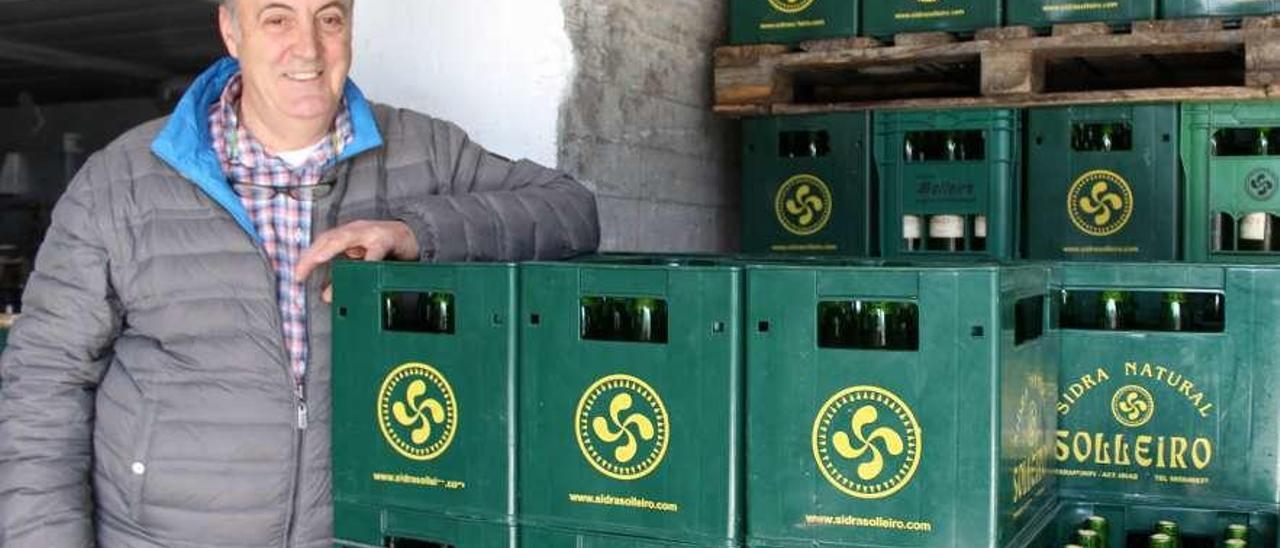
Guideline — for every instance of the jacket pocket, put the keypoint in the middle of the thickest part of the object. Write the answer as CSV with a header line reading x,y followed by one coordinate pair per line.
x,y
138,468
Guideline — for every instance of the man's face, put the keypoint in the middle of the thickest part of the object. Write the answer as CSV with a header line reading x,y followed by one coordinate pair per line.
x,y
294,54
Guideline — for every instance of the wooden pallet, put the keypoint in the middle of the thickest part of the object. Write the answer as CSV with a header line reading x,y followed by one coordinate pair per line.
x,y
1177,60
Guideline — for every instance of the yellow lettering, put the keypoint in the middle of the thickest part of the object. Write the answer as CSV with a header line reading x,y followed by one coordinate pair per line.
x,y
1081,453
1177,453
1103,376
1076,390
1063,408
1201,453
1122,450
1146,370
1103,453
1060,449
1088,382
1173,380
1160,452
1185,389
1204,411
1130,369
1160,371
1142,451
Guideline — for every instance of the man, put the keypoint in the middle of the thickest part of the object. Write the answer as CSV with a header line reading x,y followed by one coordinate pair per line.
x,y
167,384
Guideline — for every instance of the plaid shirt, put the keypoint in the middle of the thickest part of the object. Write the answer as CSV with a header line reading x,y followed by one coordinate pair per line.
x,y
283,223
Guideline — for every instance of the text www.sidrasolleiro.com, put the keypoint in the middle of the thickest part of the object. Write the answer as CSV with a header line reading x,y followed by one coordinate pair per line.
x,y
875,522
630,502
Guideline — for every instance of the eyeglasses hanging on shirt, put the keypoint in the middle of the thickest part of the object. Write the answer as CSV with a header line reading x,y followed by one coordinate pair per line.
x,y
301,193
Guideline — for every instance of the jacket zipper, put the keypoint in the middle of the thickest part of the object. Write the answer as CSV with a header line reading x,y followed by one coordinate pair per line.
x,y
299,403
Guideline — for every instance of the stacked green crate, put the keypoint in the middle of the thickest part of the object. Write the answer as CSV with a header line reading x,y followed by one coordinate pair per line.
x,y
630,403
424,403
1103,183
1046,13
885,18
791,21
1167,383
949,183
899,406
1174,9
807,185
1121,525
1231,153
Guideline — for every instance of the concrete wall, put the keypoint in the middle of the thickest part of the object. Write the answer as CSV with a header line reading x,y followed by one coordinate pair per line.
x,y
638,123
616,92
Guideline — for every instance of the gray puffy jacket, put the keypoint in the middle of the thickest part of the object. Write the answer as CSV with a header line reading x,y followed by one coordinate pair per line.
x,y
146,398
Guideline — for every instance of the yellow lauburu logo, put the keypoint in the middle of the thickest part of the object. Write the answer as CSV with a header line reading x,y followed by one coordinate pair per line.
x,y
417,412
791,6
867,442
1133,406
622,427
1100,203
803,205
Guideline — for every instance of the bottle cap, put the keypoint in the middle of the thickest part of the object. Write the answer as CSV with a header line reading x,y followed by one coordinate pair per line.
x,y
1254,226
946,226
911,227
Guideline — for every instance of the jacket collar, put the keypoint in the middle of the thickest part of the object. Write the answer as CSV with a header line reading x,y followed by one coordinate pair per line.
x,y
186,145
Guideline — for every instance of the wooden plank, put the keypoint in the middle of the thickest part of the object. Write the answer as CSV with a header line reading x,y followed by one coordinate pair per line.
x,y
837,44
1226,93
909,39
1072,30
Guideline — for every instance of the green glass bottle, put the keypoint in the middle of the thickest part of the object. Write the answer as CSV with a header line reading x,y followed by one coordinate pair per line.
x,y
440,313
904,327
1160,540
1262,144
1107,141
1170,528
1235,543
1088,538
1173,311
617,318
1098,524
1067,310
952,146
1237,531
1114,309
875,324
909,148
836,324
644,313
591,317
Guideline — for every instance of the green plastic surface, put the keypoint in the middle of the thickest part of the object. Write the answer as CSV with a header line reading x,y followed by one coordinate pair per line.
x,y
791,21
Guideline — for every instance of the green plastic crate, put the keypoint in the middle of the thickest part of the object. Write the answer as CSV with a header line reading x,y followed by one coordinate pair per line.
x,y
1046,13
885,18
424,371
1103,183
791,21
862,441
808,185
1167,387
632,427
1229,186
1131,524
1175,9
949,182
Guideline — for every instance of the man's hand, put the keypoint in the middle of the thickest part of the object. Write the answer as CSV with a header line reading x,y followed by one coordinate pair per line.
x,y
367,240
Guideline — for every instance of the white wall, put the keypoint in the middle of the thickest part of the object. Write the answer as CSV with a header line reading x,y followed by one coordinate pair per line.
x,y
498,68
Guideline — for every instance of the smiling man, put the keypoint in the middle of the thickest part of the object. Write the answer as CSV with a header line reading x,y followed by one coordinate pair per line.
x,y
168,382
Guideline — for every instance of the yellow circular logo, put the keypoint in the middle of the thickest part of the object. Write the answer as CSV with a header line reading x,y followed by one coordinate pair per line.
x,y
622,427
867,442
417,412
803,205
791,6
1100,203
1133,406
